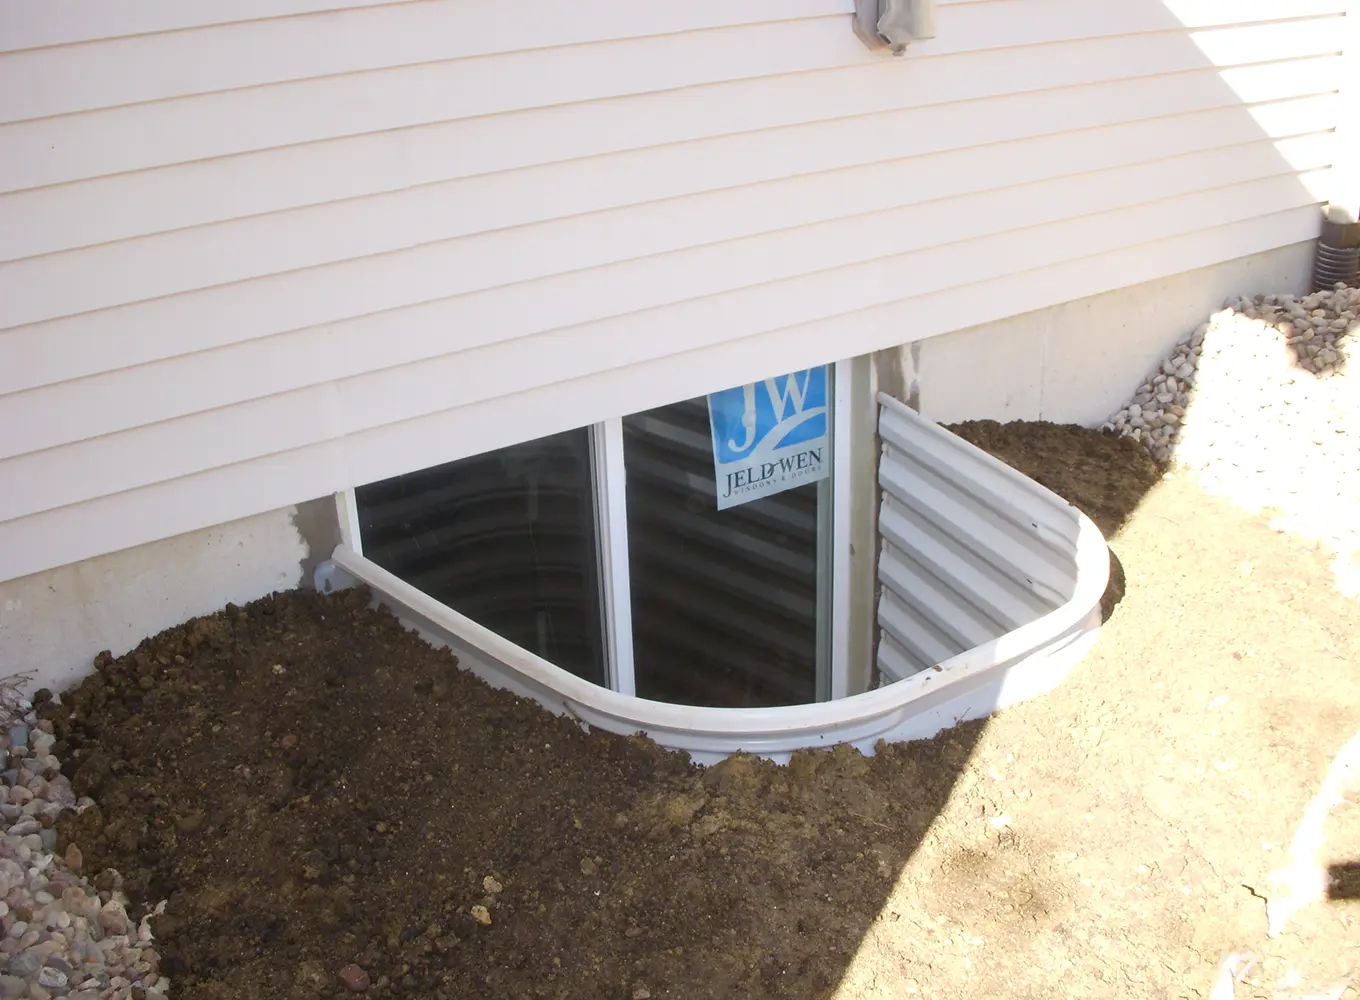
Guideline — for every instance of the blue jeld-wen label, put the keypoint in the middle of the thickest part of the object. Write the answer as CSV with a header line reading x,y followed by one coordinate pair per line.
x,y
769,436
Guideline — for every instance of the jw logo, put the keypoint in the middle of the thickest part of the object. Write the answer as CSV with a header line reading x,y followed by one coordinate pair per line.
x,y
769,436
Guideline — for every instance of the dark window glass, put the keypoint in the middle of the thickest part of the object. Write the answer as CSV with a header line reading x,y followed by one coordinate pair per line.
x,y
724,602
507,538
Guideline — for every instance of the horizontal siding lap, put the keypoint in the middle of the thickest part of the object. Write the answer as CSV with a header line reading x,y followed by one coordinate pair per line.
x,y
372,399
99,210
78,531
28,25
176,130
361,286
111,73
73,410
86,144
62,22
115,72
181,447
52,286
1199,13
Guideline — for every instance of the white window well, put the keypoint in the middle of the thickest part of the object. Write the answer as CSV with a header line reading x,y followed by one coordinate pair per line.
x,y
703,572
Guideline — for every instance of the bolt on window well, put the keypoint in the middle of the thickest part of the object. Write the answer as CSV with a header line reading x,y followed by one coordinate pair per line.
x,y
683,554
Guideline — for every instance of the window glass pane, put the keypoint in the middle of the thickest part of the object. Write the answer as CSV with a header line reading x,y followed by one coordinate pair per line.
x,y
507,538
724,602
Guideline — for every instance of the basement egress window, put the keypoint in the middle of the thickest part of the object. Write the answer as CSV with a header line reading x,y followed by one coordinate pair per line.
x,y
726,601
507,538
682,554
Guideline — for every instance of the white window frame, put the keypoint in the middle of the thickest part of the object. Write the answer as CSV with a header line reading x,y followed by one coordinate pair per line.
x,y
347,513
841,563
842,516
611,530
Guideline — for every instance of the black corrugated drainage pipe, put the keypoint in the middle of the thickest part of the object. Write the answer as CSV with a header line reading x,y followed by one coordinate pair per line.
x,y
1338,252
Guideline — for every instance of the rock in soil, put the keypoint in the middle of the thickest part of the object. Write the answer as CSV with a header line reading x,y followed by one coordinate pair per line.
x,y
354,979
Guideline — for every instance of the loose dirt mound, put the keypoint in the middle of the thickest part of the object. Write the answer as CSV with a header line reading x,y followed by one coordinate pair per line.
x,y
1104,476
312,786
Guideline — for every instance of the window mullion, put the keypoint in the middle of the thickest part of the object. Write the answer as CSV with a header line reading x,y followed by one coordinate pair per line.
x,y
841,544
347,513
612,513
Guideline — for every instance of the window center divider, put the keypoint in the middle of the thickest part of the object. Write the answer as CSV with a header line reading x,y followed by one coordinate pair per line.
x,y
611,506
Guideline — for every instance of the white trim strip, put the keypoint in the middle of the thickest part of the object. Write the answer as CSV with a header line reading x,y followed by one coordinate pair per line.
x,y
612,506
347,513
842,578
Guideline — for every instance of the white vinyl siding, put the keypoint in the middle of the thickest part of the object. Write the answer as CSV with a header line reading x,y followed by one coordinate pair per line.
x,y
256,253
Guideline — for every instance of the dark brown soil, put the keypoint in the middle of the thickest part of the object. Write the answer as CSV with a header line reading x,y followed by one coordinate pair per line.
x,y
311,786
1105,476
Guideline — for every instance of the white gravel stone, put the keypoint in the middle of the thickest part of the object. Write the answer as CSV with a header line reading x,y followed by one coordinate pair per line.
x,y
70,938
1265,408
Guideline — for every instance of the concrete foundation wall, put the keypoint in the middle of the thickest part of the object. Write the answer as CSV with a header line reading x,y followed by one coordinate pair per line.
x,y
1076,362
53,623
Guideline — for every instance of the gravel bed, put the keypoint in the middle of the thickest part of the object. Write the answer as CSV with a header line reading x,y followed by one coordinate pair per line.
x,y
62,935
1262,404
